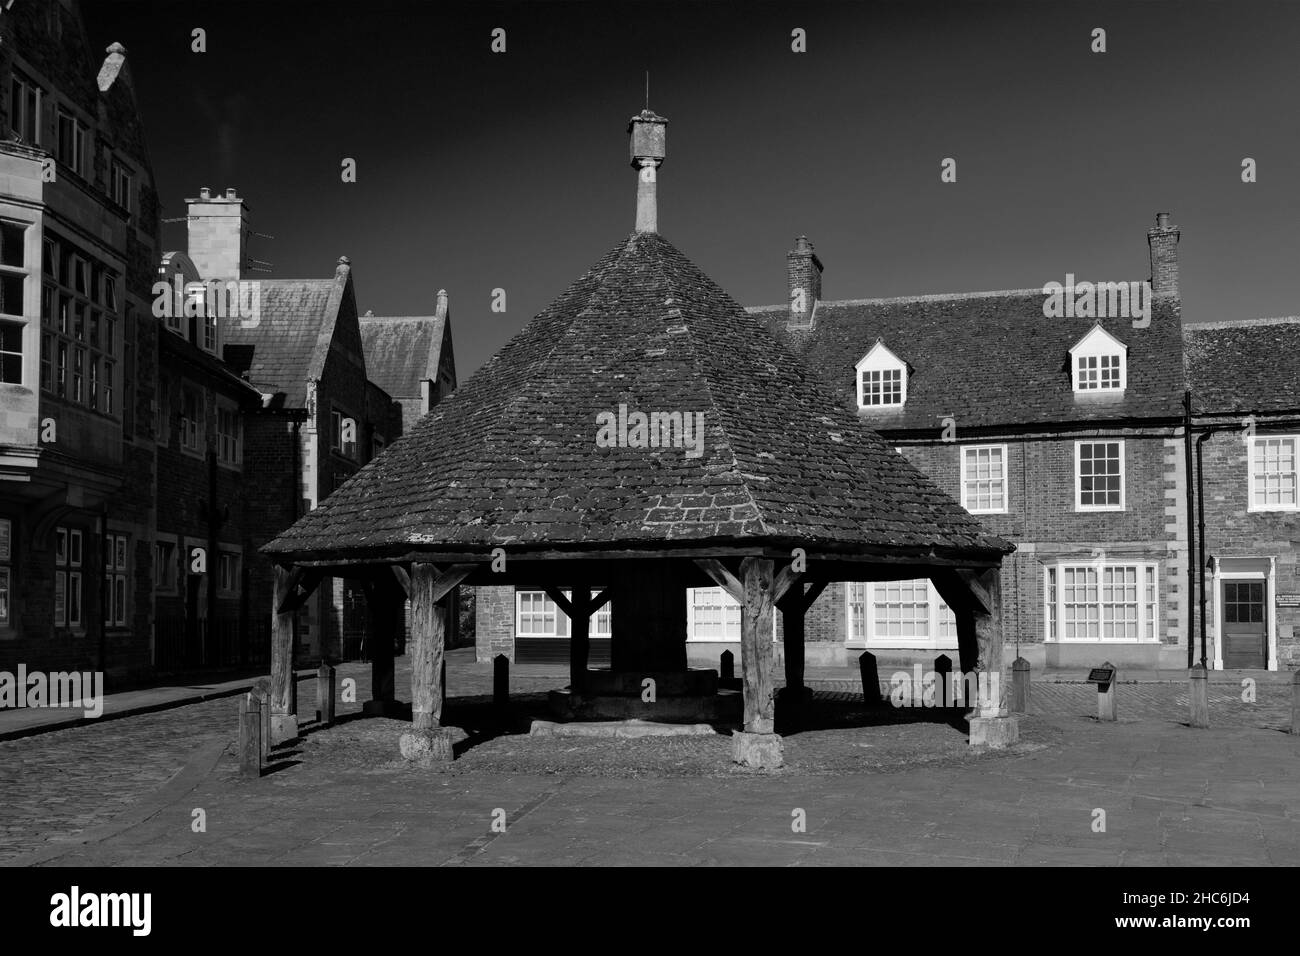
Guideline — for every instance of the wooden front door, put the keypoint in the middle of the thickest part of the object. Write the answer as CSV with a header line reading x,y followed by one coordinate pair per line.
x,y
1245,613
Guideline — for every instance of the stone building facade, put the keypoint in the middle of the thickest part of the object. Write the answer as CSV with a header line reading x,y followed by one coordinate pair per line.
x,y
78,250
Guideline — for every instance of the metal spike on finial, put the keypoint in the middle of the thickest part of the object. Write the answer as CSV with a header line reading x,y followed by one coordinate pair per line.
x,y
647,89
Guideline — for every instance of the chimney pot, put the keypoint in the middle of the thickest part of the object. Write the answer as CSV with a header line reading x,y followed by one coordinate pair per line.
x,y
205,193
230,192
1162,220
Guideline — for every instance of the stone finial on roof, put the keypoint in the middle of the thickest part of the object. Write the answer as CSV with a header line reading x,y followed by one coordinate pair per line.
x,y
344,267
112,66
441,307
648,145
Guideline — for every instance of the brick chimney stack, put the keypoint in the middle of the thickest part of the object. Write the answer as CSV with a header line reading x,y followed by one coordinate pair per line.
x,y
648,134
805,283
1163,240
217,228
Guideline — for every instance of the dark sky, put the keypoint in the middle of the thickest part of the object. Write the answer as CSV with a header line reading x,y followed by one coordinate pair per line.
x,y
479,170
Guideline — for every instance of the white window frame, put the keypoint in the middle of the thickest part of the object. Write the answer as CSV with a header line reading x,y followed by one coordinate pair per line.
x,y
229,446
19,123
965,478
1253,477
880,359
166,585
1078,476
69,556
80,141
192,431
933,640
1098,344
601,621
229,556
693,601
117,573
1054,622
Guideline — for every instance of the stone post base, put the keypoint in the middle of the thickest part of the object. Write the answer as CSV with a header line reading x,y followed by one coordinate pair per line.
x,y
284,727
994,732
427,748
763,751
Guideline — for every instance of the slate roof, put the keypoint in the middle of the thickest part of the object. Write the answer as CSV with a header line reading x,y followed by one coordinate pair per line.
x,y
1244,367
402,351
510,458
988,359
290,341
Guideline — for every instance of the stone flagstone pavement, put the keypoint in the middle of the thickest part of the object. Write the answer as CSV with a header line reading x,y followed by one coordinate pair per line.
x,y
124,792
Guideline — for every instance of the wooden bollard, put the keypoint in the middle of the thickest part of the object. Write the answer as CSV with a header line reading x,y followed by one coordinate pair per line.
x,y
501,681
942,680
870,679
1295,703
325,694
1106,700
1020,686
261,695
250,737
727,666
1197,678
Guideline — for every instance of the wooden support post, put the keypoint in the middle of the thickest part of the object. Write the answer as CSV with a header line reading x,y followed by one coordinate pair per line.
x,y
727,666
284,715
1295,703
429,628
501,681
579,639
756,645
325,677
1200,696
1020,686
250,736
427,741
757,745
987,590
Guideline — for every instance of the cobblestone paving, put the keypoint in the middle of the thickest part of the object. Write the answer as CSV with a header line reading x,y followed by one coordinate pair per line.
x,y
56,785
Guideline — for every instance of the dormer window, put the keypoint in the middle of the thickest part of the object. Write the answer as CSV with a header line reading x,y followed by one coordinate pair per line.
x,y
882,379
1099,363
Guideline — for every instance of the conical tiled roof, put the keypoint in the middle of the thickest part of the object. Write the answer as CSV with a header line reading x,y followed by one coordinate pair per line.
x,y
511,458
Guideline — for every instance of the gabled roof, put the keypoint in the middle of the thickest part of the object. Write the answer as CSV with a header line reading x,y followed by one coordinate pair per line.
x,y
290,341
403,350
1097,338
511,457
988,359
880,354
1244,367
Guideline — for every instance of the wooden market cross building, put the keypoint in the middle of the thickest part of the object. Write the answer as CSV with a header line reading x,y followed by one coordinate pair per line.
x,y
641,436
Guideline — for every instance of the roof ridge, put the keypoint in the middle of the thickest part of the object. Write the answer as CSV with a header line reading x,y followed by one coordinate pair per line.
x,y
926,297
1242,323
